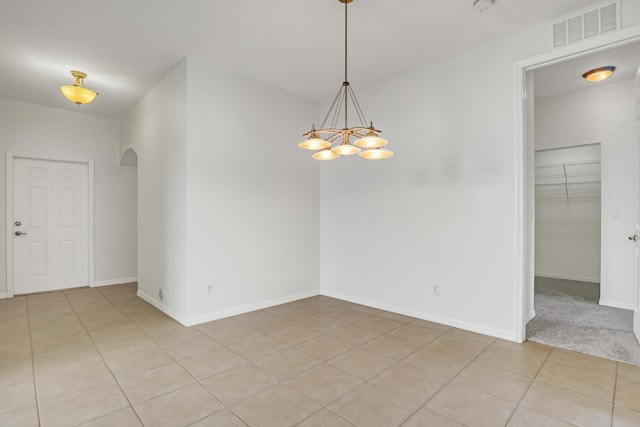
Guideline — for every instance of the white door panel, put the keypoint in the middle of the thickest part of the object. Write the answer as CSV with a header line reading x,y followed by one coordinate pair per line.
x,y
51,210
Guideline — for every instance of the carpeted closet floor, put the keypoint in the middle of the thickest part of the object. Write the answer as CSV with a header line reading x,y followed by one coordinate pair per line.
x,y
568,316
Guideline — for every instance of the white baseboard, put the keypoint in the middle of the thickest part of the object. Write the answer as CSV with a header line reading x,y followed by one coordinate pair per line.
x,y
3,295
616,304
115,281
565,277
208,317
531,315
196,320
468,326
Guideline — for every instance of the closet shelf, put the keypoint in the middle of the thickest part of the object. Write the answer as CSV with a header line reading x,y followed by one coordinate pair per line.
x,y
568,175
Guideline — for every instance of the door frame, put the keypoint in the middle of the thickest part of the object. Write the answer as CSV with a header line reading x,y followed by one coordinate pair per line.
x,y
524,185
11,156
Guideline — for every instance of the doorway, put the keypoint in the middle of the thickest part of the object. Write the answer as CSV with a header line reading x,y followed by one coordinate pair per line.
x,y
616,229
49,223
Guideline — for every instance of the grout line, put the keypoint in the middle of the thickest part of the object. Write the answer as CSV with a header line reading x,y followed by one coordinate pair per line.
x,y
33,363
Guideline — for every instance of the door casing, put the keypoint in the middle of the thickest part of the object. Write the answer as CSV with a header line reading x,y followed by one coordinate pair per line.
x,y
11,155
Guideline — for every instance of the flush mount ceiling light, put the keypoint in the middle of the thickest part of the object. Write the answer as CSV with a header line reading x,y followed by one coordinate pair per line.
x,y
366,137
77,93
599,74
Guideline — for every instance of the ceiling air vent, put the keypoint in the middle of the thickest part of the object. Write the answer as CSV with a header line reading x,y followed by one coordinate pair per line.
x,y
587,24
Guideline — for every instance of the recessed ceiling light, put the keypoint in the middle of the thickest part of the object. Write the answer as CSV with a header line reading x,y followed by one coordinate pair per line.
x,y
599,74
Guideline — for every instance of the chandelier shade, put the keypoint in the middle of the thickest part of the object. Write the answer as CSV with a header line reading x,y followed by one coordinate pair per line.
x,y
77,93
376,154
330,133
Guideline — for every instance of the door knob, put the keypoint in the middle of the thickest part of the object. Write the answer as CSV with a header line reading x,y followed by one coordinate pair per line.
x,y
634,237
20,233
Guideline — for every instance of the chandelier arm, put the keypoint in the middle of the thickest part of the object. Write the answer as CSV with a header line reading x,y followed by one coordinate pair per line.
x,y
356,106
340,105
333,104
345,42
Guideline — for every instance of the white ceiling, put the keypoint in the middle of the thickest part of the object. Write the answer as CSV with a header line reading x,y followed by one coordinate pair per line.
x,y
128,46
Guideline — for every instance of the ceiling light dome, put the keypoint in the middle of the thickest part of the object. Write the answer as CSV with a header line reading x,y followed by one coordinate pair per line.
x,y
77,93
599,74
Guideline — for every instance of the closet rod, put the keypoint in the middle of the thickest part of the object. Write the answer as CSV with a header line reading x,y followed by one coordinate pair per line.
x,y
568,183
556,165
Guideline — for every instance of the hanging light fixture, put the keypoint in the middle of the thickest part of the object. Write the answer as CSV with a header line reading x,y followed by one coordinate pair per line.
x,y
77,93
599,74
365,137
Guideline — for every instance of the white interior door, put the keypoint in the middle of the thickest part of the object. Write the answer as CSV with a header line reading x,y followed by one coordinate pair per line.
x,y
636,313
50,229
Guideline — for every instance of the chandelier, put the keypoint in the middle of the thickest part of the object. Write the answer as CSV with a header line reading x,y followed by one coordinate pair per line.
x,y
77,93
366,142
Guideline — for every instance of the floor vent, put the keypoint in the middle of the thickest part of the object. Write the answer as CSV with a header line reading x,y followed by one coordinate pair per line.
x,y
591,23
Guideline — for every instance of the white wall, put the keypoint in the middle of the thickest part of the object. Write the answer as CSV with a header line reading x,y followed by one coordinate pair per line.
x,y
226,198
43,130
156,129
253,203
602,114
568,231
443,210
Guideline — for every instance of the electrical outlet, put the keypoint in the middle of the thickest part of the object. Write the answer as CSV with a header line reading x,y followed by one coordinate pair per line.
x,y
208,289
435,290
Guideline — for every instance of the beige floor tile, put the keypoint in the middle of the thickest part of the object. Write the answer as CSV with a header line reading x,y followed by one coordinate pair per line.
x,y
325,418
533,348
65,360
16,396
326,323
190,347
16,339
269,324
71,380
178,408
208,364
104,322
380,323
138,361
103,336
239,383
276,407
216,325
124,345
524,417
463,347
26,416
590,383
233,334
427,418
82,406
122,418
295,334
347,314
17,373
391,346
362,363
629,373
625,417
371,406
628,394
286,363
14,355
515,361
72,327
354,334
66,344
443,364
583,361
324,347
324,383
154,382
255,348
498,382
172,335
468,335
471,407
224,418
410,383
567,405
415,333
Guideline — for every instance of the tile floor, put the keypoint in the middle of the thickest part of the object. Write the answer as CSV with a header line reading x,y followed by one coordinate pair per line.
x,y
103,357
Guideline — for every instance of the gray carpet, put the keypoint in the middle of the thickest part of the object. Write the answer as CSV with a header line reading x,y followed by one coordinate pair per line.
x,y
568,316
